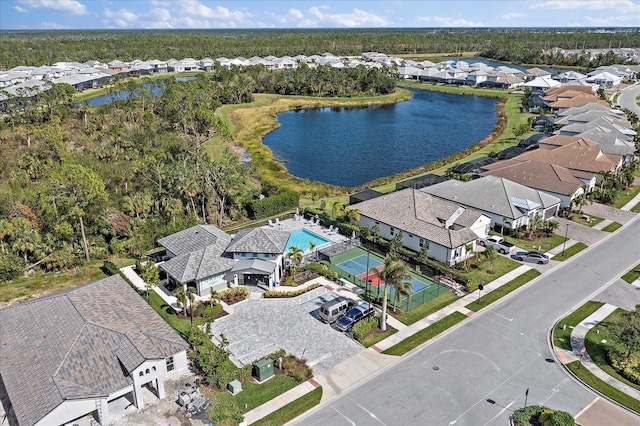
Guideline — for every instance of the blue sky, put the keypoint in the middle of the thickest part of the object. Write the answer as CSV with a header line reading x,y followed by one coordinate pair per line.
x,y
145,14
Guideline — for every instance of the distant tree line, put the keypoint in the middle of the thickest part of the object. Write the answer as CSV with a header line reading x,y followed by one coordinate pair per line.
x,y
40,48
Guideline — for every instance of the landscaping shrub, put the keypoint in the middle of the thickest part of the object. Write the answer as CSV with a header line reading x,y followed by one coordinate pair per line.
x,y
537,415
270,206
362,328
289,282
320,269
225,412
234,294
272,294
109,268
296,368
523,416
627,366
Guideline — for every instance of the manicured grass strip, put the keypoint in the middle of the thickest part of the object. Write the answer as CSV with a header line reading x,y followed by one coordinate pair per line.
x,y
614,226
253,394
167,313
625,196
374,337
423,335
591,221
633,274
570,251
636,208
426,309
604,388
562,338
292,409
502,291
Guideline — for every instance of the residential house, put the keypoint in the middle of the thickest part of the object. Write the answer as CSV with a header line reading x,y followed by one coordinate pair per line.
x,y
71,355
197,259
206,64
542,83
159,67
118,66
476,77
569,76
604,80
611,143
508,204
259,255
610,123
447,229
501,80
533,73
549,178
186,64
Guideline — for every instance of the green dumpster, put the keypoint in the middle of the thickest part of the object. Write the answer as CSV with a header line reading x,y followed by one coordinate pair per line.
x,y
262,370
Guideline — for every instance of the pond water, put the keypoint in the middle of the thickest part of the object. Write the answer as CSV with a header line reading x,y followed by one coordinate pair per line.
x,y
350,147
111,97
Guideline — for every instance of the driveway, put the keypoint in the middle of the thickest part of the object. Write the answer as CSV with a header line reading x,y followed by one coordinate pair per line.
x,y
608,212
579,232
259,327
627,98
620,294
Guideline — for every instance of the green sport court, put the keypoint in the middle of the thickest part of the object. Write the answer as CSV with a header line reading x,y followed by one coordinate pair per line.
x,y
352,266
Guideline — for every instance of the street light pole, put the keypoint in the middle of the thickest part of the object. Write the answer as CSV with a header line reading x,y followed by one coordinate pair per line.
x,y
566,235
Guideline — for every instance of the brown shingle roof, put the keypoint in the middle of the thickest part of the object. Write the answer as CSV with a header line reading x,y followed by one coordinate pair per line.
x,y
583,154
534,174
78,344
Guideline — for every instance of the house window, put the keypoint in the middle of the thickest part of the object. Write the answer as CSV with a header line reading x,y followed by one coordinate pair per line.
x,y
422,242
141,374
266,255
243,254
392,231
147,371
255,255
169,362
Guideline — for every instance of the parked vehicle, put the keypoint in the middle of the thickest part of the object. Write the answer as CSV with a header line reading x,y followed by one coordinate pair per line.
x,y
360,312
499,243
531,256
332,310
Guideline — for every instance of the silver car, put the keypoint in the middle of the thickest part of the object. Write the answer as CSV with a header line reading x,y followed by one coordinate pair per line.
x,y
531,256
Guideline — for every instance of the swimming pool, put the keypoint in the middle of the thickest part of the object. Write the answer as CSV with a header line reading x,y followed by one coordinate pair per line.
x,y
301,238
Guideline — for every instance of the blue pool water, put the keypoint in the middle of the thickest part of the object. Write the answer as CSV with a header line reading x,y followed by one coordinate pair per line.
x,y
301,237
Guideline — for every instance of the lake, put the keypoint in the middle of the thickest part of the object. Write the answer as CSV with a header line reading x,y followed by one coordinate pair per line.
x,y
108,98
350,147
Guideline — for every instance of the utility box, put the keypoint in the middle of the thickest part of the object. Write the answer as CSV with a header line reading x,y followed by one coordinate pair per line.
x,y
262,370
235,387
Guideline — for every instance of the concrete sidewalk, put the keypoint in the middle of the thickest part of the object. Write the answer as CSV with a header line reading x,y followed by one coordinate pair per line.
x,y
577,343
631,204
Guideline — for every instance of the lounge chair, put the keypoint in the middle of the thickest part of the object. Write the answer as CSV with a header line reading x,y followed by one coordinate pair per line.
x,y
277,221
271,224
330,230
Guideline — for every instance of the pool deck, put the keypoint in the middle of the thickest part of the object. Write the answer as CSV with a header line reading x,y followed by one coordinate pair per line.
x,y
293,225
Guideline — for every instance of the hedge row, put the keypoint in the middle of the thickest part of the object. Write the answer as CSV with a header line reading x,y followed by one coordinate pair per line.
x,y
271,206
274,294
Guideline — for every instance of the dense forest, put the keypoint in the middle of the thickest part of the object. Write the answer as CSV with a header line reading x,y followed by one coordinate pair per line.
x,y
517,45
78,182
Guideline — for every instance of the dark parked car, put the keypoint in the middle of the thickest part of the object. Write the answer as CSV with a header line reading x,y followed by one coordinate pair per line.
x,y
531,256
354,315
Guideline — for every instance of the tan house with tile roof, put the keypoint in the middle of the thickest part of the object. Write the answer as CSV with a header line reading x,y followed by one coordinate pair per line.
x,y
70,355
549,178
444,227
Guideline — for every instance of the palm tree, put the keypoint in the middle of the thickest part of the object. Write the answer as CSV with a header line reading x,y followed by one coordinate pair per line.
x,y
296,256
183,295
490,253
394,275
352,215
312,247
335,208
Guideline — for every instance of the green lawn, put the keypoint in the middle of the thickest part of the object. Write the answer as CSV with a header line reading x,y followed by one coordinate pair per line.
x,y
168,314
591,221
503,290
612,227
570,251
425,309
425,334
636,208
625,196
501,265
376,335
540,244
562,331
604,388
633,274
253,394
292,409
598,350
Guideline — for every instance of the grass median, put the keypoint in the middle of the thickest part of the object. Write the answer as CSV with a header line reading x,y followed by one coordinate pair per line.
x,y
564,327
292,409
612,227
426,309
609,391
632,275
502,291
423,335
570,251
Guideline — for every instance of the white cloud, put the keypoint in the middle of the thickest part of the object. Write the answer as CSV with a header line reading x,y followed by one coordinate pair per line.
x,y
623,6
160,3
612,21
357,18
20,9
195,8
156,18
449,22
296,14
67,6
512,16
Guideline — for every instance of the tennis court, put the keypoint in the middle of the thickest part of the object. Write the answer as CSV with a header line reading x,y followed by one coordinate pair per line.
x,y
352,265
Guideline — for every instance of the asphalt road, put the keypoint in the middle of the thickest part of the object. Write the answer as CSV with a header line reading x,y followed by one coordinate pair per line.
x,y
477,374
627,98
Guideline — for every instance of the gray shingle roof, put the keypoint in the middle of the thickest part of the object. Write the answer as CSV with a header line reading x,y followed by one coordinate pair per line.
x,y
416,212
192,239
199,264
78,344
491,194
259,240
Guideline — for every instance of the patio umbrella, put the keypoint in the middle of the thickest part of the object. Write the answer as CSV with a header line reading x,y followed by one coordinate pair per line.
x,y
353,235
297,210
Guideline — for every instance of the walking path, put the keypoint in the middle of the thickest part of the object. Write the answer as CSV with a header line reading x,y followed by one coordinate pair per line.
x,y
577,343
631,204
